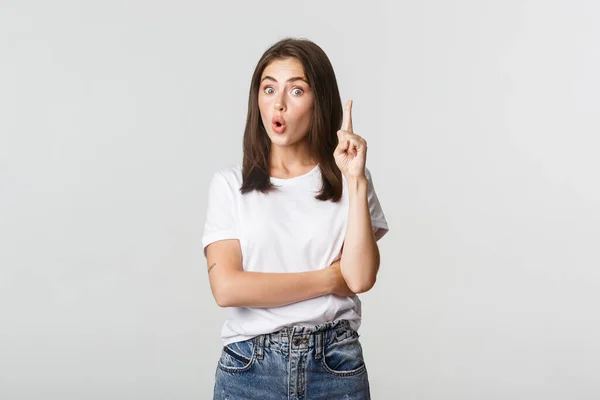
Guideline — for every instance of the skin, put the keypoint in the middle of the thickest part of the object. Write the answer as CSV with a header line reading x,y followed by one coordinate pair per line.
x,y
282,95
360,258
351,152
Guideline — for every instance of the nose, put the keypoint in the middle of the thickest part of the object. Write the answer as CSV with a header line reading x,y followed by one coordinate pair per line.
x,y
280,104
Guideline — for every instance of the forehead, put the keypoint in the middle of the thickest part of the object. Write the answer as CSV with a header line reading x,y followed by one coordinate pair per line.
x,y
284,68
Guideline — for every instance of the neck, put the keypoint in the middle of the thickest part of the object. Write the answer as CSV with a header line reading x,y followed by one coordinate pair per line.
x,y
291,157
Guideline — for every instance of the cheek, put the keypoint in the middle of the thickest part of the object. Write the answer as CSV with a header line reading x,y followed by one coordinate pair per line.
x,y
262,107
306,112
261,103
304,109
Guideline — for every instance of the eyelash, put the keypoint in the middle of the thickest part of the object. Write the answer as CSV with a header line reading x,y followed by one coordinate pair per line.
x,y
270,87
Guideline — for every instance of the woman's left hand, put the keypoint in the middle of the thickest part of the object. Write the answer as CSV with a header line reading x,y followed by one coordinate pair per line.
x,y
351,152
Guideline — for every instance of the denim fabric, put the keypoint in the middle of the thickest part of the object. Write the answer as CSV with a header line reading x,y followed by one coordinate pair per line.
x,y
321,362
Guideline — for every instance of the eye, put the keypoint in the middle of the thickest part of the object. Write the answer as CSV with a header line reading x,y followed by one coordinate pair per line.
x,y
267,88
297,89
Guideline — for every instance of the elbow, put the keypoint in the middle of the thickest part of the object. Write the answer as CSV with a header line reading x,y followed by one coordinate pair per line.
x,y
224,290
362,286
222,301
221,296
364,281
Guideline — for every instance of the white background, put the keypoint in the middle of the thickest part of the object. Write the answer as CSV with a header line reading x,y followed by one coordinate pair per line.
x,y
482,119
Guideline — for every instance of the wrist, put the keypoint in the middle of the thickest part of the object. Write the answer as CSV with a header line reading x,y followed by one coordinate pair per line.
x,y
326,280
357,185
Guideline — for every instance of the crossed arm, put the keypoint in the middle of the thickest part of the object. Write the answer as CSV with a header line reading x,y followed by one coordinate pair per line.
x,y
233,287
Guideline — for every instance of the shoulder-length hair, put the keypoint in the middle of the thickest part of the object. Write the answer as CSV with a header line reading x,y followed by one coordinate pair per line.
x,y
325,122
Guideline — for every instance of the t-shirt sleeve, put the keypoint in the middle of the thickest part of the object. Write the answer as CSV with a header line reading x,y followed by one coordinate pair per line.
x,y
220,215
378,221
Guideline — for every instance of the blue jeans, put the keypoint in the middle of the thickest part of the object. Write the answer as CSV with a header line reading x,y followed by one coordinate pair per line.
x,y
321,362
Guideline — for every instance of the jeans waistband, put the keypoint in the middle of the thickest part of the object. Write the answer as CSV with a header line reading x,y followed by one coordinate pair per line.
x,y
305,337
339,325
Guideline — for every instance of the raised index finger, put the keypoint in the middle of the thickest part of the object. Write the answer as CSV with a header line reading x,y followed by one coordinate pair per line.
x,y
347,121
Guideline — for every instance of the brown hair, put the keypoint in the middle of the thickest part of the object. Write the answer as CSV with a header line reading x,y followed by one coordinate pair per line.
x,y
325,122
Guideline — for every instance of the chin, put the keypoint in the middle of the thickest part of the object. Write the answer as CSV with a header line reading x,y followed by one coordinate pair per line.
x,y
279,141
278,138
285,139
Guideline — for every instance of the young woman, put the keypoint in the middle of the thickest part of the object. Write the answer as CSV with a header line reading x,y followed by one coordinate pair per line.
x,y
290,238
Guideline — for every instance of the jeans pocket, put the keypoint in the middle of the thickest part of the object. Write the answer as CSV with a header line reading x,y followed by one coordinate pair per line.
x,y
238,356
344,357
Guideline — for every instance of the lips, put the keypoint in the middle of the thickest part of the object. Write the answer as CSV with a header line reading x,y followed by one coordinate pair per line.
x,y
278,124
277,120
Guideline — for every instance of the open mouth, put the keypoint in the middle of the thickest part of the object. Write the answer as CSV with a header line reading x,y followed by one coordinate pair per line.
x,y
278,128
278,124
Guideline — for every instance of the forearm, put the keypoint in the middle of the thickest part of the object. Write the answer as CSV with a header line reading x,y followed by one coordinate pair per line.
x,y
273,289
360,257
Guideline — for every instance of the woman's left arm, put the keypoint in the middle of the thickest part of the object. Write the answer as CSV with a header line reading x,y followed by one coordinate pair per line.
x,y
360,257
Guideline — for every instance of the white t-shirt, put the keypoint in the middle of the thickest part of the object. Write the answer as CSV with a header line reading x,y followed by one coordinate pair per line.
x,y
284,231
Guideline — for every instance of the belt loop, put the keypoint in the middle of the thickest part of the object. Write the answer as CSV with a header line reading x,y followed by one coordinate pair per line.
x,y
319,345
260,343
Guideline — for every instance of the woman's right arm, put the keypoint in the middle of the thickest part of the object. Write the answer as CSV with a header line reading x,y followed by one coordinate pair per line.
x,y
233,287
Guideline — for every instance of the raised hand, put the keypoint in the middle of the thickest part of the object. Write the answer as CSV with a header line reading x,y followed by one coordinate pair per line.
x,y
351,152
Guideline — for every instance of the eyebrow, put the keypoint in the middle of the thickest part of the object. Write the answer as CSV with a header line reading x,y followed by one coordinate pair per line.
x,y
294,78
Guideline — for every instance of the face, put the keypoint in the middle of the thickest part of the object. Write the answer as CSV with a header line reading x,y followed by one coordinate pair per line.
x,y
285,101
